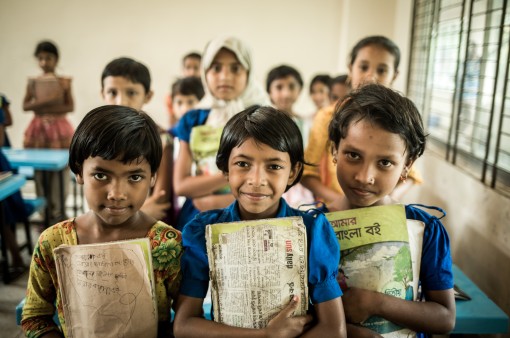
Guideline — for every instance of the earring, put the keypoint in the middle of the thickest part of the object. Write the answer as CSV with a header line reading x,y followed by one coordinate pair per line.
x,y
403,177
334,159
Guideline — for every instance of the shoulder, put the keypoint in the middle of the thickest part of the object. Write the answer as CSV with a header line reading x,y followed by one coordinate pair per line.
x,y
161,232
196,227
191,119
415,211
60,233
65,81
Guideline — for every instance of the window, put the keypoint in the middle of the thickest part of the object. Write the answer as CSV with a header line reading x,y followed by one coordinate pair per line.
x,y
459,80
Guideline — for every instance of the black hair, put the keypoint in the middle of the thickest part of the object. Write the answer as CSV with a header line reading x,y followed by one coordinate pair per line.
x,y
188,86
46,46
115,133
385,108
266,125
192,55
341,79
378,40
133,70
321,78
281,72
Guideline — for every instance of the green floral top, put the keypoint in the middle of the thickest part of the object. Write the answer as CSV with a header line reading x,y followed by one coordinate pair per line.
x,y
42,291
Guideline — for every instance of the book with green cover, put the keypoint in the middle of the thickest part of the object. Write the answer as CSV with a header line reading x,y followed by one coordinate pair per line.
x,y
380,251
108,289
256,267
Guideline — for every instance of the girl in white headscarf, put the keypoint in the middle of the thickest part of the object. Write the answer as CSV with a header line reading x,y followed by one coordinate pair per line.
x,y
227,75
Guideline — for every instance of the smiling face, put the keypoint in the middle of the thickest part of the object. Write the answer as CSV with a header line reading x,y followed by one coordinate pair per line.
x,y
226,78
373,64
284,92
120,91
370,161
258,176
115,191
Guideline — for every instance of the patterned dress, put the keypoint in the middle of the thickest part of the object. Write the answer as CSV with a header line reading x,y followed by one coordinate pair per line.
x,y
43,296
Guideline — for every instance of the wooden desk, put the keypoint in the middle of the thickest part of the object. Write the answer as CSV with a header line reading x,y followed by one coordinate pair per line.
x,y
479,315
45,160
7,187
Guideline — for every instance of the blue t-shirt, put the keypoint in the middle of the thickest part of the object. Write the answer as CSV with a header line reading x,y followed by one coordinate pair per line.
x,y
182,131
436,261
323,252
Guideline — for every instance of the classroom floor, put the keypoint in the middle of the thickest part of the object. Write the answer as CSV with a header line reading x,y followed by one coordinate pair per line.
x,y
11,294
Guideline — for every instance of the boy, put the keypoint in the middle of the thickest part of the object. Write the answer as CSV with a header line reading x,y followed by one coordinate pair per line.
x,y
185,95
115,153
191,65
284,85
126,82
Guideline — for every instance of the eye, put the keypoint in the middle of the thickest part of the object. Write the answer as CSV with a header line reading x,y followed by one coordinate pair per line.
x,y
382,71
385,163
364,68
112,92
216,68
352,155
131,93
275,167
136,178
235,68
241,164
100,176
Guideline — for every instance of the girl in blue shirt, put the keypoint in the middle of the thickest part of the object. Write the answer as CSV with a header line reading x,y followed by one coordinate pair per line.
x,y
377,134
261,156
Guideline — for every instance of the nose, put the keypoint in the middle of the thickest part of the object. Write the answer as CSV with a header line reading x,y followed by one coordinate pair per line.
x,y
117,191
257,177
371,77
121,100
366,175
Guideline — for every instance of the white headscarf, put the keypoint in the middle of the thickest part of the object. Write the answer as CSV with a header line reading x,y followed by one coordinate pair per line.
x,y
221,110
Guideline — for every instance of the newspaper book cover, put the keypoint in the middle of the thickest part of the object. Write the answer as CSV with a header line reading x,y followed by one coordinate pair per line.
x,y
204,143
48,88
108,289
380,252
256,267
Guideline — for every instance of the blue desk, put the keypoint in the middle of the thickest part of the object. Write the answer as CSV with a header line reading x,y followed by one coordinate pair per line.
x,y
480,315
44,160
7,187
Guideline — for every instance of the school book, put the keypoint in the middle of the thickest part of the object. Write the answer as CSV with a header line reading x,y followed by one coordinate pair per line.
x,y
5,174
47,88
204,143
380,250
256,267
107,289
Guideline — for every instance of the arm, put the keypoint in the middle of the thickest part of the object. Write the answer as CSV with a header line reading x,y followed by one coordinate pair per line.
x,y
190,323
193,186
436,315
213,202
319,190
2,135
330,320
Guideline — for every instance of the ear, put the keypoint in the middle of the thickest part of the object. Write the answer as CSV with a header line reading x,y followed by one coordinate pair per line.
x,y
294,173
225,174
101,93
407,167
394,77
148,96
153,179
79,179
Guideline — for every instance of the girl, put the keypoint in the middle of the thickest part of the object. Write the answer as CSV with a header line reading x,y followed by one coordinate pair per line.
x,y
227,74
374,59
320,87
377,135
116,176
49,97
261,156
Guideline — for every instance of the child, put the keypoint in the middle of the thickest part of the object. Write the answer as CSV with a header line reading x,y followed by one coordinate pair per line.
x,y
7,119
126,82
185,95
49,97
229,87
377,134
373,59
261,156
191,65
339,88
284,84
320,87
116,176
190,68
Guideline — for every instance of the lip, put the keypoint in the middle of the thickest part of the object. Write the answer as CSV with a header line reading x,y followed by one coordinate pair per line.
x,y
255,196
362,191
224,87
116,210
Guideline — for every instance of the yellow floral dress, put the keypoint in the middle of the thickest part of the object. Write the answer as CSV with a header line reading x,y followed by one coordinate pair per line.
x,y
43,296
